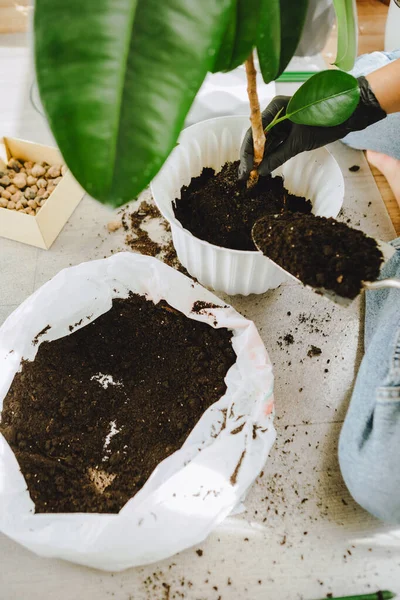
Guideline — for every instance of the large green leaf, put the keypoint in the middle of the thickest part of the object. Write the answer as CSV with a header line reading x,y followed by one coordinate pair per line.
x,y
117,78
346,16
269,39
247,22
293,15
240,35
328,98
224,56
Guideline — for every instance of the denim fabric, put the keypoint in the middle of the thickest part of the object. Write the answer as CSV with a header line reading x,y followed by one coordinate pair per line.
x,y
369,445
383,136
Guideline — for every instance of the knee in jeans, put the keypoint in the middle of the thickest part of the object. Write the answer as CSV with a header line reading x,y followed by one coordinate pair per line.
x,y
376,493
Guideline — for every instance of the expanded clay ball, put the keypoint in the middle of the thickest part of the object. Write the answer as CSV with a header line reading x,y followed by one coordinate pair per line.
x,y
37,170
30,180
25,186
53,172
20,180
13,163
16,197
41,183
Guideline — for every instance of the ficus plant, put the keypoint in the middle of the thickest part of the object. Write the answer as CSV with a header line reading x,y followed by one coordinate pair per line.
x,y
117,77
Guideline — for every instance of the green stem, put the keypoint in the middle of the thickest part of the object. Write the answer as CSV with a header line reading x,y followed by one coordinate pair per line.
x,y
275,121
385,595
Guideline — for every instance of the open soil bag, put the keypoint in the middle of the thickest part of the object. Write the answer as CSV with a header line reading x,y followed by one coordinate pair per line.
x,y
192,490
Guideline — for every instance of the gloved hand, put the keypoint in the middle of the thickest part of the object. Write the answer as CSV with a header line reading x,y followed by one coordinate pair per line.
x,y
286,139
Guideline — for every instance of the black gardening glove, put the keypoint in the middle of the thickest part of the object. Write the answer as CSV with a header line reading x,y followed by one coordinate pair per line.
x,y
286,139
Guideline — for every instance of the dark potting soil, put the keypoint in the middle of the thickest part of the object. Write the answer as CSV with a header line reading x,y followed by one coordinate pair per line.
x,y
322,253
96,411
221,210
314,351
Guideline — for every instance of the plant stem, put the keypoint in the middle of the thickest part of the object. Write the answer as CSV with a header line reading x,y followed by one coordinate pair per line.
x,y
255,119
385,595
275,121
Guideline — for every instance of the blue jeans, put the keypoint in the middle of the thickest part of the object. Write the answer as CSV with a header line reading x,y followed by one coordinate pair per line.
x,y
383,136
369,445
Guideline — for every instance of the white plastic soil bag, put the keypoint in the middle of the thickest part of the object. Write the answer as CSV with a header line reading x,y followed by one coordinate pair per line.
x,y
191,491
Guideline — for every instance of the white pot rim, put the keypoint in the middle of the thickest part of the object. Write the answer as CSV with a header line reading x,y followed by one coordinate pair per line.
x,y
178,224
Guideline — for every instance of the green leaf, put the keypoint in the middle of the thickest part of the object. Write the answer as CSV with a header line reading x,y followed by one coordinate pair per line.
x,y
224,56
117,78
327,99
269,39
240,35
346,16
293,16
247,23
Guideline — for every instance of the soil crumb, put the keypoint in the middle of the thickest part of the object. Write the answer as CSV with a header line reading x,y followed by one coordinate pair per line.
x,y
221,210
314,351
37,337
321,252
201,306
96,411
288,339
234,476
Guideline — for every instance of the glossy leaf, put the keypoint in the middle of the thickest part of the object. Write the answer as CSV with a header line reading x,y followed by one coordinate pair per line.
x,y
247,23
225,53
292,17
346,17
269,39
117,78
240,35
328,98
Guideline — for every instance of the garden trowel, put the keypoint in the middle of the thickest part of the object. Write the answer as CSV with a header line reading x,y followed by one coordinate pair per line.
x,y
387,252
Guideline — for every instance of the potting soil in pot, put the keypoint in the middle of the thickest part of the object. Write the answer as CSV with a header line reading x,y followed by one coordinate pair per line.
x,y
221,210
96,411
321,252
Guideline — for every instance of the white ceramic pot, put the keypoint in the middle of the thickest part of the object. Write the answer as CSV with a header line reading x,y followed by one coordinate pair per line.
x,y
315,175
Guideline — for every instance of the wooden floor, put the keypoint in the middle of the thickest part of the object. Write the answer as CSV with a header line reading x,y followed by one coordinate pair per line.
x,y
372,20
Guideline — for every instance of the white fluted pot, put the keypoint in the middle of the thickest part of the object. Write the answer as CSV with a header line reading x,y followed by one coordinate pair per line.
x,y
315,175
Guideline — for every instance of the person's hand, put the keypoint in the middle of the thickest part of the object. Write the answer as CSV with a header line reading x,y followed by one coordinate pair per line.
x,y
286,139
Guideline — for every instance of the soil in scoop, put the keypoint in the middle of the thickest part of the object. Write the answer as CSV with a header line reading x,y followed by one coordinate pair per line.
x,y
322,253
221,210
96,411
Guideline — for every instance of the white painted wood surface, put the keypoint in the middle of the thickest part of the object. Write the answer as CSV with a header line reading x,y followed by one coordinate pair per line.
x,y
302,536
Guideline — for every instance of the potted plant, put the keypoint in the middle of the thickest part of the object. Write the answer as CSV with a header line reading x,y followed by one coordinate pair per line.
x,y
139,90
117,83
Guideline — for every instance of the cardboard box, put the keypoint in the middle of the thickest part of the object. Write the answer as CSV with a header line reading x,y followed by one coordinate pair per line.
x,y
42,229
